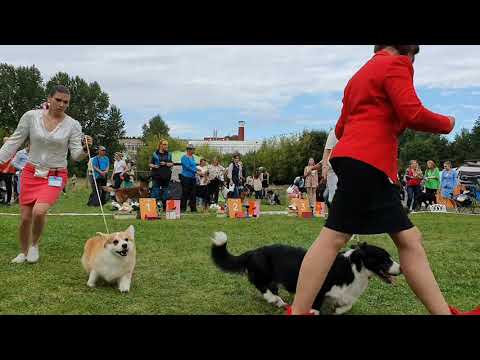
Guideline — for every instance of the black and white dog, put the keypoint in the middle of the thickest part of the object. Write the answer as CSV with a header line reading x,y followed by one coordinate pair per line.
x,y
273,198
270,266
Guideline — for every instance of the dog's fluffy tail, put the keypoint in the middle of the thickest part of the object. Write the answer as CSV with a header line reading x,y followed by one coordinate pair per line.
x,y
223,259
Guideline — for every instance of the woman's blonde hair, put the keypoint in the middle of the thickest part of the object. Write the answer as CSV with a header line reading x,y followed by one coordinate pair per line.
x,y
161,142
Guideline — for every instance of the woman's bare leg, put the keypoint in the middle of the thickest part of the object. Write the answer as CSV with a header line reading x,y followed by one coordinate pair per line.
x,y
25,230
39,218
417,271
315,267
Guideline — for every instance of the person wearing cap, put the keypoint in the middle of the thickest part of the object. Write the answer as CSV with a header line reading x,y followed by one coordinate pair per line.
x,y
119,168
188,180
100,166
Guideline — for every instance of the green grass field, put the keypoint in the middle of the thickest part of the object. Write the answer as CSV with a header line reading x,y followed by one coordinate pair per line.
x,y
174,273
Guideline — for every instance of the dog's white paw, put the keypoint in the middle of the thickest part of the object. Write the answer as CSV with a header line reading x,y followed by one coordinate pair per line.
x,y
124,284
90,284
315,312
124,289
280,303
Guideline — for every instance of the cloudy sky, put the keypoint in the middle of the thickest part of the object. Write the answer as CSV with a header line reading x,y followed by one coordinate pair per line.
x,y
274,89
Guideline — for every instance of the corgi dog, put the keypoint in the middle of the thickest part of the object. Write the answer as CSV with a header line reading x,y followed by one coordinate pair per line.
x,y
111,257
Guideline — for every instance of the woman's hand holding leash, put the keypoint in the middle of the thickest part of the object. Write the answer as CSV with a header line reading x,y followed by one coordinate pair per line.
x,y
87,142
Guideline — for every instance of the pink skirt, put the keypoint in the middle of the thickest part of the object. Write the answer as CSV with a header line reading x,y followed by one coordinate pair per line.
x,y
36,189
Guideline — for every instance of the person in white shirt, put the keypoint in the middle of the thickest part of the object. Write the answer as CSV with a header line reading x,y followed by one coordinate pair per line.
x,y
19,161
328,174
202,174
257,185
311,182
119,168
52,134
215,177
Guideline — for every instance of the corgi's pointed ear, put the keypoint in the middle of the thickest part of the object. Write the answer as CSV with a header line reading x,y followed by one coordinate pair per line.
x,y
131,231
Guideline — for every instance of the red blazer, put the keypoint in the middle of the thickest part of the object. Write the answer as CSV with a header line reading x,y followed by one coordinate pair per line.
x,y
379,103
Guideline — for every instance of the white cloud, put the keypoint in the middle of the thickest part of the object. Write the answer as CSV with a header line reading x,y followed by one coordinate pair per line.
x,y
315,123
256,80
181,129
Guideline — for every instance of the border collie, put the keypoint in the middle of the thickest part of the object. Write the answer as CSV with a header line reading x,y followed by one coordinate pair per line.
x,y
273,198
270,266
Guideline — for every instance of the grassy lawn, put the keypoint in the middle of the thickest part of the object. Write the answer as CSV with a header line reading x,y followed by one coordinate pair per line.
x,y
175,275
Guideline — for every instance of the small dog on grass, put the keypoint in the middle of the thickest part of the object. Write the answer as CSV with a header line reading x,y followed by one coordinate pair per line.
x,y
271,266
273,198
135,193
111,257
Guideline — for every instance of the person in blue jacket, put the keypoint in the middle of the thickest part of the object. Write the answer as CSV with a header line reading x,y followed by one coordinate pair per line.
x,y
448,180
188,180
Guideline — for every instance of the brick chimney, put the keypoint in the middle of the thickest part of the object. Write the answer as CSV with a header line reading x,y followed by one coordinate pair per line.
x,y
241,130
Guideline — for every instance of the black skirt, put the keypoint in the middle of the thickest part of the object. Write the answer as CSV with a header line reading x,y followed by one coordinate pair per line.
x,y
365,202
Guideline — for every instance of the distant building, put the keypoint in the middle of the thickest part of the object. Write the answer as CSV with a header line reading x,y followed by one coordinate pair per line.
x,y
230,144
239,137
132,145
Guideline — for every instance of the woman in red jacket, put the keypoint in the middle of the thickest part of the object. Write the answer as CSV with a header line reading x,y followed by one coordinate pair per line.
x,y
413,178
379,103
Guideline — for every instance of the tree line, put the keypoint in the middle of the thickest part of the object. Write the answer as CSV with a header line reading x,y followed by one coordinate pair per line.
x,y
23,88
285,157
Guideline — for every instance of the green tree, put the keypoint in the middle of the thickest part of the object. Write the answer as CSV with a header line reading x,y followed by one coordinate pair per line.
x,y
475,138
208,153
423,147
90,105
21,90
286,157
462,146
155,126
114,126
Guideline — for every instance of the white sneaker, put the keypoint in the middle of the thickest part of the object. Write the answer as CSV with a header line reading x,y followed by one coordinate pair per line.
x,y
33,254
21,258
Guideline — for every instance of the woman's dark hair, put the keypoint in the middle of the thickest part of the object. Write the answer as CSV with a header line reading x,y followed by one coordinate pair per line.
x,y
402,49
60,89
